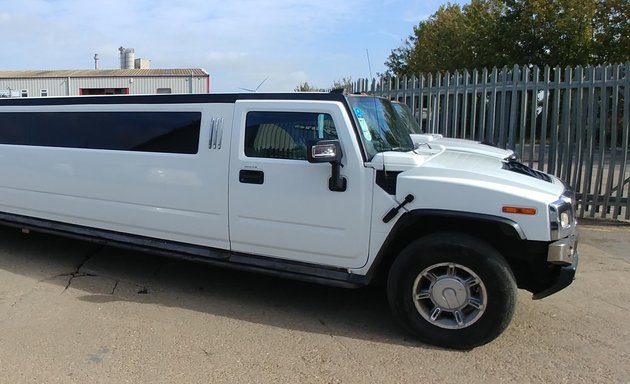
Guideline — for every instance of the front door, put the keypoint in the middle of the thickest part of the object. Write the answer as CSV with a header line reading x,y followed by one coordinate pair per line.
x,y
280,204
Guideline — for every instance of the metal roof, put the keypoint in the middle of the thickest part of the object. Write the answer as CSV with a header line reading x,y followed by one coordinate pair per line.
x,y
169,99
178,72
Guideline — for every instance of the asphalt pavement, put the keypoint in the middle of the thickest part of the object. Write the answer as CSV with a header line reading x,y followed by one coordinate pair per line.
x,y
78,312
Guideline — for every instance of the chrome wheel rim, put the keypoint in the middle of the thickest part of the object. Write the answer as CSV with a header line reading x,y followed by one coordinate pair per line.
x,y
449,295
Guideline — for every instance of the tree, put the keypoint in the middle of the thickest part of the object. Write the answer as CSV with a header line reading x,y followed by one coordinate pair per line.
x,y
488,33
611,32
482,34
439,42
306,87
549,32
399,60
452,38
345,83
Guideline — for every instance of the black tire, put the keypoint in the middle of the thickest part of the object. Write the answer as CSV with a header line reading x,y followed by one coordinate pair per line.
x,y
477,290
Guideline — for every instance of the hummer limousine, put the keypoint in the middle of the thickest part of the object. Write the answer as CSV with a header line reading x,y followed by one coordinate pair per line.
x,y
322,187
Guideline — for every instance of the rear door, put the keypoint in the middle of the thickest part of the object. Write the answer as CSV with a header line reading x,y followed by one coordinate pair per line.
x,y
280,204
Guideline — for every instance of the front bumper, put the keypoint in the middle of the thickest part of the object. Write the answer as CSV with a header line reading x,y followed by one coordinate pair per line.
x,y
564,279
563,251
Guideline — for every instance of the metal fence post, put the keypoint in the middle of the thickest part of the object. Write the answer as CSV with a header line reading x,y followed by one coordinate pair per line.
x,y
572,122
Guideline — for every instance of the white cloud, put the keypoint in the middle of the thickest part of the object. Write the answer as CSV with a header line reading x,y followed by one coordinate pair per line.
x,y
239,42
224,59
5,18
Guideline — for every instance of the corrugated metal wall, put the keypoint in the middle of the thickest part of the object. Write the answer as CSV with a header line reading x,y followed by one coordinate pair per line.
x,y
70,86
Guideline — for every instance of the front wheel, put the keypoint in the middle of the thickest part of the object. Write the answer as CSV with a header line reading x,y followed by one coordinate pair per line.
x,y
452,290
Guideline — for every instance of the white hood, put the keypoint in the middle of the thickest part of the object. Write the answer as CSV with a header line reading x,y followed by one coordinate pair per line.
x,y
478,168
460,145
471,182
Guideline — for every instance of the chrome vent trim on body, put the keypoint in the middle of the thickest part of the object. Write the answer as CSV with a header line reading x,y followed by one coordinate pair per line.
x,y
216,133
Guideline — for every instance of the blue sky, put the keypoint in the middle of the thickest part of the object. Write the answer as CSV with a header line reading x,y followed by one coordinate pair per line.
x,y
239,42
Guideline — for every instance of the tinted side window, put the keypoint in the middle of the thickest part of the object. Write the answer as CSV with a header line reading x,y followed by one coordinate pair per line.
x,y
170,132
285,135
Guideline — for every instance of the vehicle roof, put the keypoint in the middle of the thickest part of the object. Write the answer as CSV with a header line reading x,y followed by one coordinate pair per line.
x,y
169,99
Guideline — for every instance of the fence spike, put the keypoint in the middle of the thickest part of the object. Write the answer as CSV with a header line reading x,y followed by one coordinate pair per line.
x,y
571,105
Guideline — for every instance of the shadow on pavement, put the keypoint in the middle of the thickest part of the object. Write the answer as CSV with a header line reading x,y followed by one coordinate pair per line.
x,y
103,275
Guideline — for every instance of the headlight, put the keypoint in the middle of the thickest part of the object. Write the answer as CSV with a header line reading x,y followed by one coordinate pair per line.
x,y
562,215
565,219
561,219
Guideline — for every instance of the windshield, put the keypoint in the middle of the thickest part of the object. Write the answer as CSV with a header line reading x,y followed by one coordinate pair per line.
x,y
382,128
405,114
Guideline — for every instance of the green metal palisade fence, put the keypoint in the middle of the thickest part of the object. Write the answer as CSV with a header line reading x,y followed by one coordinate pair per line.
x,y
571,122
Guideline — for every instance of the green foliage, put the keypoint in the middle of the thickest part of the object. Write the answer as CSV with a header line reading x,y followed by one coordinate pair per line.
x,y
612,31
345,83
399,61
550,32
482,35
489,33
306,87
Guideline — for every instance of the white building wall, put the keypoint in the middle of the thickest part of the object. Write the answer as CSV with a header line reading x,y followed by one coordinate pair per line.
x,y
34,86
71,86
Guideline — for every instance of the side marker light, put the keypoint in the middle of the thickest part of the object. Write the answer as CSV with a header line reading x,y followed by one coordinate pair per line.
x,y
519,210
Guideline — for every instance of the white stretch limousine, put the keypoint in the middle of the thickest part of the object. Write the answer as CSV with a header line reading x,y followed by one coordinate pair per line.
x,y
321,187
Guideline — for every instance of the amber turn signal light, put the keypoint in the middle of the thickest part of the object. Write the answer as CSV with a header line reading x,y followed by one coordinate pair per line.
x,y
519,210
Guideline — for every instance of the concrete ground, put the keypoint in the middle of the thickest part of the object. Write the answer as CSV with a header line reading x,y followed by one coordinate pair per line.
x,y
75,312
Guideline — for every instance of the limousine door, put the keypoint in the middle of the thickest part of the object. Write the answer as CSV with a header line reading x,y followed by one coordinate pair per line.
x,y
281,205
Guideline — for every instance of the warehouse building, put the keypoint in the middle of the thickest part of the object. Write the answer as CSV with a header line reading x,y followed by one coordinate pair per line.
x,y
103,82
135,77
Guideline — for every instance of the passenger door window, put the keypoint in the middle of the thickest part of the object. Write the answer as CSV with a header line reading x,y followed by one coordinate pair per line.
x,y
285,135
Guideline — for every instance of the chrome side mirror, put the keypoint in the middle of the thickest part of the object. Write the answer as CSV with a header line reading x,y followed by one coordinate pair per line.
x,y
329,151
324,151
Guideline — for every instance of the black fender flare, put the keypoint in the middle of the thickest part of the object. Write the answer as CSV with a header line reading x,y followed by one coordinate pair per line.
x,y
411,217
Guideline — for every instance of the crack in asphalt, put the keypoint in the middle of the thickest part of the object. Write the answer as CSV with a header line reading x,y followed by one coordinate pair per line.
x,y
141,288
73,276
77,271
115,286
